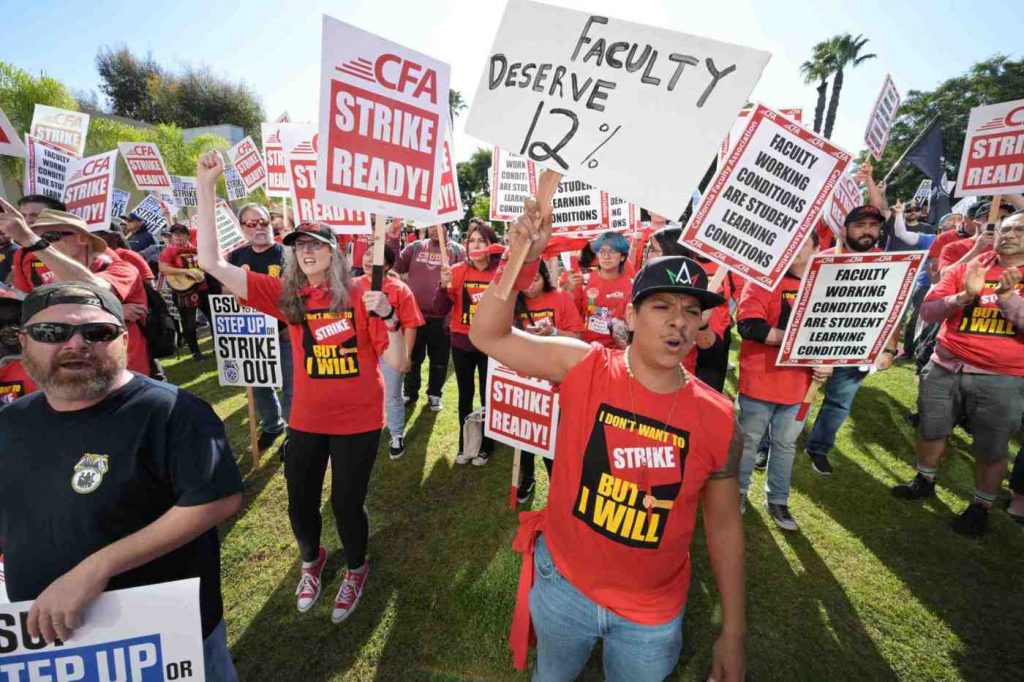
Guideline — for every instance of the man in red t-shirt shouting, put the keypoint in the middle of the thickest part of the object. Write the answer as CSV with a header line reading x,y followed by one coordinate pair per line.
x,y
640,442
977,371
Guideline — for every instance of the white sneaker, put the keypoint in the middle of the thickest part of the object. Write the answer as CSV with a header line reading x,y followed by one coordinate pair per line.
x,y
463,458
482,459
434,402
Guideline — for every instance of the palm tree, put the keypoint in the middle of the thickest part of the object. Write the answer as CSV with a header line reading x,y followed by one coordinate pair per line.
x,y
818,69
842,51
455,103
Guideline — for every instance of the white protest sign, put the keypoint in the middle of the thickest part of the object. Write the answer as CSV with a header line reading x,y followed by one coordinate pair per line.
x,y
622,216
793,114
10,141
449,201
513,180
634,110
150,209
273,157
119,202
89,190
993,158
233,183
881,118
522,411
184,191
846,197
146,165
46,168
144,634
766,198
383,110
848,307
576,205
246,159
964,204
60,127
924,190
300,162
246,344
229,232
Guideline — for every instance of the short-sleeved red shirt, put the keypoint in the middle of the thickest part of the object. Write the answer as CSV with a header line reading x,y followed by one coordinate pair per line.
x,y
14,382
468,287
186,258
401,299
947,237
954,251
554,308
599,301
140,264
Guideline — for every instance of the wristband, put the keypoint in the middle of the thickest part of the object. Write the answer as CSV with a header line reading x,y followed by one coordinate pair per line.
x,y
38,246
526,273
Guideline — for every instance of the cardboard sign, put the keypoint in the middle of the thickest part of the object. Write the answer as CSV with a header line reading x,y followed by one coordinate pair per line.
x,y
229,231
90,188
10,141
151,211
522,411
146,165
924,190
383,110
766,198
513,181
184,191
993,156
273,158
46,168
301,163
449,200
793,113
144,633
246,344
848,307
881,118
60,127
632,109
233,183
845,198
246,159
119,202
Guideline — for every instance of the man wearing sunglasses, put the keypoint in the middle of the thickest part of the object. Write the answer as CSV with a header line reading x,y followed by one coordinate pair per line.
x,y
135,474
977,371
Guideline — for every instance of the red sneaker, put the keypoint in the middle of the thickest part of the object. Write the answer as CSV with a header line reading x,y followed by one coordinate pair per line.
x,y
350,592
308,590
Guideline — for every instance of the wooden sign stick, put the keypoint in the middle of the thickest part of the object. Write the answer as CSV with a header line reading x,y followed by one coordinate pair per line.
x,y
713,284
253,433
546,186
993,211
379,234
513,492
442,241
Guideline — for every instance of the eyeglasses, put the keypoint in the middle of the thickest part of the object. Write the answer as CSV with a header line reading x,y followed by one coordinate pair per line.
x,y
607,252
56,235
253,223
1007,229
59,332
308,245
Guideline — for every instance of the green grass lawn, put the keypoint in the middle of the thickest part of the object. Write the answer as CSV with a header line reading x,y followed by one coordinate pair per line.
x,y
871,589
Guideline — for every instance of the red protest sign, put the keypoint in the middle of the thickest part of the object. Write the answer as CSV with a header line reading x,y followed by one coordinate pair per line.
x,y
10,143
89,190
302,170
146,166
993,156
522,411
449,200
881,118
382,115
273,158
766,198
246,159
845,198
848,307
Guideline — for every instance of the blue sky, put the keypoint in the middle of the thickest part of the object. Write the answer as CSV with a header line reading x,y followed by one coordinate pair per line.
x,y
275,47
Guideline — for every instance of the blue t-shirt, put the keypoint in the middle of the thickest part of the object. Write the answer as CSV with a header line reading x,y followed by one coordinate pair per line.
x,y
924,242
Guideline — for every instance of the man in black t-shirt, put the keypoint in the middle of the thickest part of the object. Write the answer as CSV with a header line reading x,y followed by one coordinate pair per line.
x,y
126,480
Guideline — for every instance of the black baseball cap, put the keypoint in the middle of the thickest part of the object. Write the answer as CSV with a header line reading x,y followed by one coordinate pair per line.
x,y
178,228
675,275
80,293
862,212
979,211
315,230
134,217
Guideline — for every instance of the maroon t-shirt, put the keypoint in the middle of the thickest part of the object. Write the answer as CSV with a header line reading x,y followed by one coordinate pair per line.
x,y
421,260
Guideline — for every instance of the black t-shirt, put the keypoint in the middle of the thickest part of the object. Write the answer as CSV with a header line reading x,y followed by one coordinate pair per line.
x,y
267,262
140,239
7,260
72,483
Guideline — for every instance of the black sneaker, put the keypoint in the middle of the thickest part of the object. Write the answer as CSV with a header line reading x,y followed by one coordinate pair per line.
x,y
408,400
525,490
397,448
266,440
820,464
917,489
283,450
761,460
198,357
973,522
781,516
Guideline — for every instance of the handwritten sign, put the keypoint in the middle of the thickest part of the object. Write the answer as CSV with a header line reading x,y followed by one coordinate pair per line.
x,y
146,165
60,127
522,411
246,159
882,115
993,158
246,344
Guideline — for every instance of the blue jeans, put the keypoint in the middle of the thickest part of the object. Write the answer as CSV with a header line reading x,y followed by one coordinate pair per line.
x,y
568,624
840,390
755,418
394,403
272,416
217,658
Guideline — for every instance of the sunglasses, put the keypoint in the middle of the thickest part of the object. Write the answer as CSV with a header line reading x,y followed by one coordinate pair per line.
x,y
253,223
59,332
56,235
1007,229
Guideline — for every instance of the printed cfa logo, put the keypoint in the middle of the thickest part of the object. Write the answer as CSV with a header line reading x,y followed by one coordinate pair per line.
x,y
1014,118
405,76
142,150
89,473
66,120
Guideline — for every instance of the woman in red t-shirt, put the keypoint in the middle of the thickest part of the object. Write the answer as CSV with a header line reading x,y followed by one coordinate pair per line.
x,y
338,405
601,297
461,286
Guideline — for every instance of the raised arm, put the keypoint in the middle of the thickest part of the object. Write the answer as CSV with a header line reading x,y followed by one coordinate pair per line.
x,y
899,226
209,168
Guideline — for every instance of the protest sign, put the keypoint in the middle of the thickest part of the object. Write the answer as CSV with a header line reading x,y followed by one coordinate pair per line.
x,y
89,189
881,118
301,163
150,210
924,190
246,159
10,141
46,168
233,183
576,205
383,110
964,204
119,202
145,634
993,157
513,180
845,198
60,127
449,201
766,198
246,344
623,217
184,191
793,114
634,110
847,308
522,411
146,165
273,157
229,232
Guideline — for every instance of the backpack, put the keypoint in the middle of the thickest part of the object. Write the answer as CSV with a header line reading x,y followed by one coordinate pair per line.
x,y
160,331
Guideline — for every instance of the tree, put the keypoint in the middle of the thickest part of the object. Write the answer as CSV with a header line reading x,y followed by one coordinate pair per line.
x,y
456,105
818,69
125,80
474,176
842,51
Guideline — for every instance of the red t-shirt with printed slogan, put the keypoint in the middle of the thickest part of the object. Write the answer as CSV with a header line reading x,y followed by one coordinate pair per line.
x,y
338,387
552,308
760,379
468,287
599,301
14,382
978,333
400,297
719,322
